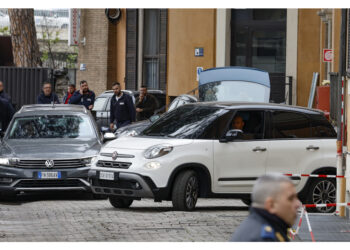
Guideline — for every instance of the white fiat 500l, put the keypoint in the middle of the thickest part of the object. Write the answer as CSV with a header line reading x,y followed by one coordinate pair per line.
x,y
218,150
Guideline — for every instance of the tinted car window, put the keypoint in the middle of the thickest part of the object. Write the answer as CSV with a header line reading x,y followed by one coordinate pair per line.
x,y
52,126
321,128
218,128
253,121
290,125
184,122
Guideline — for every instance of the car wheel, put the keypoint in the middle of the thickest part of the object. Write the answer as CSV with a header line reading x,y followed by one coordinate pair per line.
x,y
119,202
185,191
247,201
322,191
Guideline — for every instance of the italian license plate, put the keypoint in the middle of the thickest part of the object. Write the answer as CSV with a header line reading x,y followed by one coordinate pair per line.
x,y
106,176
49,175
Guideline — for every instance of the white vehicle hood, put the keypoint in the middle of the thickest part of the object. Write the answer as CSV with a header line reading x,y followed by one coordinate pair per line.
x,y
141,143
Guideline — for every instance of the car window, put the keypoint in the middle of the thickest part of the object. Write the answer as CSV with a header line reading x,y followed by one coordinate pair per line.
x,y
99,104
251,122
321,128
189,121
52,126
218,128
290,125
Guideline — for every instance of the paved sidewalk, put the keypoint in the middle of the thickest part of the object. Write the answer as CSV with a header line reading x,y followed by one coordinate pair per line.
x,y
325,228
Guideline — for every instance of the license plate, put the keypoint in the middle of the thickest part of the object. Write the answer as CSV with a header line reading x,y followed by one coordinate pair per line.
x,y
49,175
106,176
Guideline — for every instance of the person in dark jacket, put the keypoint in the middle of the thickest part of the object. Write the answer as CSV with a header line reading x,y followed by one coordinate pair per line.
x,y
6,109
145,104
274,210
47,96
69,94
83,96
122,110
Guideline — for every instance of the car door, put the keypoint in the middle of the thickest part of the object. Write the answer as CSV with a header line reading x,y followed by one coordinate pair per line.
x,y
102,107
291,147
237,164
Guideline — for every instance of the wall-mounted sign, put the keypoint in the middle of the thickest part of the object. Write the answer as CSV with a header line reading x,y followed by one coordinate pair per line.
x,y
82,67
198,52
199,70
74,27
327,55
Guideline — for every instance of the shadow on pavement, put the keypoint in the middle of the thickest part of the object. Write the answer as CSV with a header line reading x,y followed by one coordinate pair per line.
x,y
171,209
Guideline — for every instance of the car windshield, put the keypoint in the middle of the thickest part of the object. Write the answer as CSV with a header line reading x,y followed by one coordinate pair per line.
x,y
233,91
52,126
188,121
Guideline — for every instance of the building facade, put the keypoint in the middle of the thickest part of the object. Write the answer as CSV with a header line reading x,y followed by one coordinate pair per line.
x,y
158,47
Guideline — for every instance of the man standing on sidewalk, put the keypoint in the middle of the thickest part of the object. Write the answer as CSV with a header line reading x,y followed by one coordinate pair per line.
x,y
47,96
83,96
274,209
69,94
122,108
145,104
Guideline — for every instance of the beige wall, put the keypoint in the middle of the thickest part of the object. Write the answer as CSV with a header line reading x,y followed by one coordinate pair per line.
x,y
188,29
121,49
309,24
94,27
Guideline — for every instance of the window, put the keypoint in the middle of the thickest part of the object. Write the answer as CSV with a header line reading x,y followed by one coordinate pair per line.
x,y
321,128
290,125
251,122
217,129
99,104
151,42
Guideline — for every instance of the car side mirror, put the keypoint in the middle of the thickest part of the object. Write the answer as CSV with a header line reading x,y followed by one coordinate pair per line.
x,y
153,118
104,129
108,137
232,135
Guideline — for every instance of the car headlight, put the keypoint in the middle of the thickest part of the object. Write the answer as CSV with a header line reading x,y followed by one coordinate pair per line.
x,y
89,160
8,161
152,165
157,151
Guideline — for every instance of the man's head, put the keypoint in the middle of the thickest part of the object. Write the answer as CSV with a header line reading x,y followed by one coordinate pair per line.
x,y
71,88
116,88
276,193
1,86
238,122
47,88
84,86
143,90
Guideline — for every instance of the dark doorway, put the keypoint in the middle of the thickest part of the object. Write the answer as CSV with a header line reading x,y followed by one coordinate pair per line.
x,y
259,40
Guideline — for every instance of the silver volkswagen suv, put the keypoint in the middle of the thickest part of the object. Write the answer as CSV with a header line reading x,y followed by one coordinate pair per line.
x,y
48,147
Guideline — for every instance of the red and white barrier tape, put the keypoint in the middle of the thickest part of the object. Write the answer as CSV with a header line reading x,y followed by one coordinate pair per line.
x,y
296,231
316,175
309,226
327,205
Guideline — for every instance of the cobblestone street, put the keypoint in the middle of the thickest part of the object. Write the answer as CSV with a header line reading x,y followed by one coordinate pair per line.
x,y
77,218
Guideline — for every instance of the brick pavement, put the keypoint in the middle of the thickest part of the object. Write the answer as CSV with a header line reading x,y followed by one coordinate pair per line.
x,y
84,219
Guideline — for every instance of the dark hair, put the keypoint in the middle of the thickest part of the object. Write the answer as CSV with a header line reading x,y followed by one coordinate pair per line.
x,y
115,83
71,85
82,81
46,82
143,86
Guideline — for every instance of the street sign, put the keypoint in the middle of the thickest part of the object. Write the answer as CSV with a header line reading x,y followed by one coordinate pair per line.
x,y
327,55
199,70
74,27
198,52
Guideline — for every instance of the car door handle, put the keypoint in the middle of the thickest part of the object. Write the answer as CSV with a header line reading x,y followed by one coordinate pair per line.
x,y
311,147
259,149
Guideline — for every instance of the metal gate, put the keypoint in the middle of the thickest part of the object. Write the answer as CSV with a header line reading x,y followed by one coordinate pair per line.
x,y
23,84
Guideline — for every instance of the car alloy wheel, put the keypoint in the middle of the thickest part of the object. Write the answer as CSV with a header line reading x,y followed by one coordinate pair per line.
x,y
324,192
191,192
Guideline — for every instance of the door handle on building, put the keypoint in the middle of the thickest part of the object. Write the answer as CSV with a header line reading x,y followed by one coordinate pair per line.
x,y
259,149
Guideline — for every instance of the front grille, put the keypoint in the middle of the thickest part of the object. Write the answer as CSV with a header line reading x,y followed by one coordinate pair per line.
x,y
50,183
113,164
66,163
114,184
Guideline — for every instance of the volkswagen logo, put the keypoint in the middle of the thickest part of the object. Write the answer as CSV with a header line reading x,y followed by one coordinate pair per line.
x,y
49,163
115,155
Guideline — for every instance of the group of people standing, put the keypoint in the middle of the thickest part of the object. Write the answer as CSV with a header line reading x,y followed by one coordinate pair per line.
x,y
123,111
83,96
6,108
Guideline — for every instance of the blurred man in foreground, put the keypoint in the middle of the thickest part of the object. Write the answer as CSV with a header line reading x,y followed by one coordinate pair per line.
x,y
274,210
